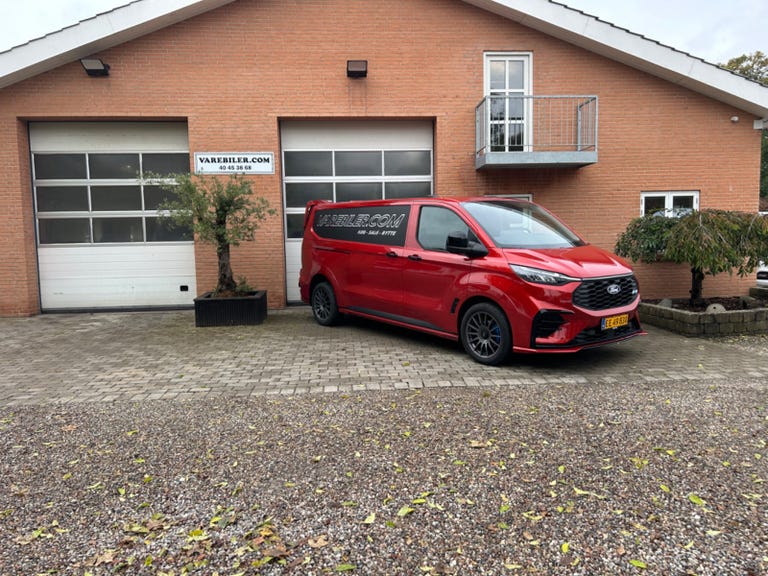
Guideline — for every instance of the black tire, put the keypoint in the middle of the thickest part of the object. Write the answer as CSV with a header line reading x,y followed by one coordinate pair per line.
x,y
485,334
323,301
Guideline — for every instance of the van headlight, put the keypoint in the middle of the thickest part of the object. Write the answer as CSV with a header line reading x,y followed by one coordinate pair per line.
x,y
538,276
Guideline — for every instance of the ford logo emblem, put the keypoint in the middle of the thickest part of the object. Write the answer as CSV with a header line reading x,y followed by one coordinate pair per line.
x,y
613,289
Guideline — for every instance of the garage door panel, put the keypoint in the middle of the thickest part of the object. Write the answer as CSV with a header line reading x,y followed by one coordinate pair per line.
x,y
349,160
100,244
133,292
119,276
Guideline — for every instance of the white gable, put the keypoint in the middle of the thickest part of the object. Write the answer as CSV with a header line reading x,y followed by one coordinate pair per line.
x,y
552,18
606,39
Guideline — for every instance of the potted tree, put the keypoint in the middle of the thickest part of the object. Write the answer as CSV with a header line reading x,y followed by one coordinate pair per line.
x,y
222,213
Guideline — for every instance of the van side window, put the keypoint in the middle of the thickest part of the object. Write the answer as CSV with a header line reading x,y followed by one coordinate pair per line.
x,y
435,224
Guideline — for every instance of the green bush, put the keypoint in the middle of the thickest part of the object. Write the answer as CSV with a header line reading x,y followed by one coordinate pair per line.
x,y
709,241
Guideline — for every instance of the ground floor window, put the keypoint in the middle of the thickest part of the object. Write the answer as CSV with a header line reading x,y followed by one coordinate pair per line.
x,y
97,197
528,197
669,203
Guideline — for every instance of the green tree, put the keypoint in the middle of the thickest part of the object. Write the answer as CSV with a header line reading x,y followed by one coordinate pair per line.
x,y
709,241
755,67
223,213
645,238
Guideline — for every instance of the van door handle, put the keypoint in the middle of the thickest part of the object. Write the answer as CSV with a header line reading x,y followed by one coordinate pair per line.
x,y
391,254
414,257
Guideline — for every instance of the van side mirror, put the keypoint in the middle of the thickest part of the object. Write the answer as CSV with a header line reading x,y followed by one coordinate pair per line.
x,y
459,243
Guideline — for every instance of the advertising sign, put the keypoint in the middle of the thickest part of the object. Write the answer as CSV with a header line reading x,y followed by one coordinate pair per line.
x,y
234,163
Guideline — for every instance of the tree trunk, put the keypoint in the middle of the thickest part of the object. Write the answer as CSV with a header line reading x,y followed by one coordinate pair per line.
x,y
226,282
697,282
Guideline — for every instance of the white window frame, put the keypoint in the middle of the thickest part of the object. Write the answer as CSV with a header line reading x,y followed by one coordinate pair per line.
x,y
669,196
528,197
527,90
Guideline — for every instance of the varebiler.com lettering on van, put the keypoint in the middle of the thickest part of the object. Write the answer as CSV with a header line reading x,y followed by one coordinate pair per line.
x,y
386,225
499,275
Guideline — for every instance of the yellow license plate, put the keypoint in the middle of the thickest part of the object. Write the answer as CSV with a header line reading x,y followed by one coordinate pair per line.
x,y
614,322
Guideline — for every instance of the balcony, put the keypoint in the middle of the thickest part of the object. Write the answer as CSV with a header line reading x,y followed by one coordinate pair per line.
x,y
535,131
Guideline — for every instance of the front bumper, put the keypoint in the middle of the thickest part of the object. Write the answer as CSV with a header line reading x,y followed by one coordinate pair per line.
x,y
562,331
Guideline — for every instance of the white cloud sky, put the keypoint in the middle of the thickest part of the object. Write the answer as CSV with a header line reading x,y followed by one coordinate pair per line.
x,y
30,19
711,29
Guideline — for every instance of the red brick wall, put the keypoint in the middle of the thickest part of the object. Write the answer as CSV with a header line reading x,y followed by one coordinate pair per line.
x,y
234,72
18,260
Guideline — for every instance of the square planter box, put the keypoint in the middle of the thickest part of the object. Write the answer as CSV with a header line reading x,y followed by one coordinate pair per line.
x,y
728,323
246,310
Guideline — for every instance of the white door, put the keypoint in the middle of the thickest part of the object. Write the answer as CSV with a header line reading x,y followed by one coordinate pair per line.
x,y
100,242
508,89
349,160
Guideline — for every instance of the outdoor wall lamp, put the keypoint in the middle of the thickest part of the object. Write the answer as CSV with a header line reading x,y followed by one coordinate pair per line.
x,y
95,67
357,68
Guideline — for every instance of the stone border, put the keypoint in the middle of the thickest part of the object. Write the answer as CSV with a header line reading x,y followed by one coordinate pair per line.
x,y
751,321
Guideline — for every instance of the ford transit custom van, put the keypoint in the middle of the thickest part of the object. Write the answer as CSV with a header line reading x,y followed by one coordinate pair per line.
x,y
500,275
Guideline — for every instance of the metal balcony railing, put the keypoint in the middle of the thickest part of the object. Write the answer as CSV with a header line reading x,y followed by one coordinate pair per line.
x,y
536,131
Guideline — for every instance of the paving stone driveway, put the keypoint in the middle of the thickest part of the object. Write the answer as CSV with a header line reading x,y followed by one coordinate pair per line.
x,y
60,358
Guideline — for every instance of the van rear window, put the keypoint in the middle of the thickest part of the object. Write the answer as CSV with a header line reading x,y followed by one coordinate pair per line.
x,y
371,224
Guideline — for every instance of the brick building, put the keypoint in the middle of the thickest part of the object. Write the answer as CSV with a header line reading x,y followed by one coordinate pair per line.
x,y
342,100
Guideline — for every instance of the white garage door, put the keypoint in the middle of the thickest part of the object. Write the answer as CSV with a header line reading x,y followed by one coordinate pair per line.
x,y
100,242
349,160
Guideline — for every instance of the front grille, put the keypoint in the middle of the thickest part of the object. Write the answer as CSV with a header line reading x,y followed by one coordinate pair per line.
x,y
762,275
606,293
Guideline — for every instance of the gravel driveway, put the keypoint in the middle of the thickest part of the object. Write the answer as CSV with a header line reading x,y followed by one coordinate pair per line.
x,y
137,444
595,479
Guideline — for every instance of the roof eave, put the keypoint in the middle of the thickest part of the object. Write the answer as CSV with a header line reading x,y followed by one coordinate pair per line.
x,y
97,34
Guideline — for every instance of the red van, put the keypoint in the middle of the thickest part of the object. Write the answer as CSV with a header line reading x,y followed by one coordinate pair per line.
x,y
501,275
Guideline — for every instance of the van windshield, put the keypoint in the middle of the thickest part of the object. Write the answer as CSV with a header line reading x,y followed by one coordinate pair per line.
x,y
519,224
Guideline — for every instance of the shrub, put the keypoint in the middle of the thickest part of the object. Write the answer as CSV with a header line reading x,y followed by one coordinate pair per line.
x,y
710,241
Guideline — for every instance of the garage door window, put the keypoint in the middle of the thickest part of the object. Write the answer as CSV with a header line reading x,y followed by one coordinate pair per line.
x,y
65,231
62,198
347,175
115,198
96,198
60,167
113,166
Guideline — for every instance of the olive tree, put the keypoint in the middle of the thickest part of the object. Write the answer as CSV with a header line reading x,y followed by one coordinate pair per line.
x,y
221,212
709,241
